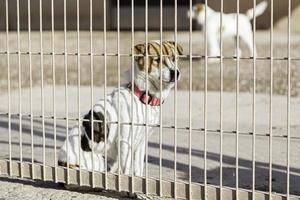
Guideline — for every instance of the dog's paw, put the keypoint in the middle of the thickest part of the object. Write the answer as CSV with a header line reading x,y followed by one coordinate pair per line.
x,y
64,164
130,195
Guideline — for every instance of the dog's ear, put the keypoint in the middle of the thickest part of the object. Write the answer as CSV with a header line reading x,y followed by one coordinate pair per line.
x,y
139,49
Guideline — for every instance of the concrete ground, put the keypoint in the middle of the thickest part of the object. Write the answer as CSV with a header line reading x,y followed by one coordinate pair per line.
x,y
213,136
279,117
13,188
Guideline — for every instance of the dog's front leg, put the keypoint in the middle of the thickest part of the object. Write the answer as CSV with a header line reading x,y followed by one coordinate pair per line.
x,y
213,42
125,156
125,149
238,52
125,159
139,155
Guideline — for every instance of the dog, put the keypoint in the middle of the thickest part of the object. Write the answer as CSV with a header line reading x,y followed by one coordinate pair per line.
x,y
160,68
229,26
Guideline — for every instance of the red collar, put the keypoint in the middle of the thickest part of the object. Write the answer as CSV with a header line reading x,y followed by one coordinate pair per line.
x,y
146,99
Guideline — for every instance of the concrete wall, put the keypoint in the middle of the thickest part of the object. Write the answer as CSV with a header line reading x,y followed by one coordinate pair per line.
x,y
295,27
58,13
263,21
280,12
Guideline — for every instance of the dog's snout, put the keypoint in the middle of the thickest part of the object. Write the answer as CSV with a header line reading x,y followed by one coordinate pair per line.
x,y
174,74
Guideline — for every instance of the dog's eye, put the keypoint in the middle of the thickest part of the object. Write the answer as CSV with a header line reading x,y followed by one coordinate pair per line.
x,y
157,59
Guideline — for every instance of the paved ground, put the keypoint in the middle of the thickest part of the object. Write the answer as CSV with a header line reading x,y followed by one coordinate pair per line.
x,y
213,139
12,188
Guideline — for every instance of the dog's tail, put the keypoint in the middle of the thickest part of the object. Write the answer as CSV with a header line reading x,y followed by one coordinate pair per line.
x,y
259,9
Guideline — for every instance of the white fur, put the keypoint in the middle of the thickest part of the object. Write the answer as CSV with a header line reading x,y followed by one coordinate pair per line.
x,y
72,144
229,28
259,10
128,111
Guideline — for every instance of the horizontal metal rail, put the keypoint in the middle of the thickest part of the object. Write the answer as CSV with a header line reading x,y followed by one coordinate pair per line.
x,y
232,132
195,56
139,182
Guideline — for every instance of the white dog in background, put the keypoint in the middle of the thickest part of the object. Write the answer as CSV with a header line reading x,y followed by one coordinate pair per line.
x,y
80,139
229,26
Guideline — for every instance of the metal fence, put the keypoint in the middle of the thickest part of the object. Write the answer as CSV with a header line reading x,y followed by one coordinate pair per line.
x,y
177,187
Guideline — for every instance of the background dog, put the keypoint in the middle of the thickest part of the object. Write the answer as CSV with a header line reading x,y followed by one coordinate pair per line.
x,y
160,68
229,26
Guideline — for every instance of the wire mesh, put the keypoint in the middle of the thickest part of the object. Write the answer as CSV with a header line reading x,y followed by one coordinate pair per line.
x,y
174,185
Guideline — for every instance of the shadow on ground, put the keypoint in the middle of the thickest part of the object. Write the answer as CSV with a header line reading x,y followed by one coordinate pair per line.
x,y
279,175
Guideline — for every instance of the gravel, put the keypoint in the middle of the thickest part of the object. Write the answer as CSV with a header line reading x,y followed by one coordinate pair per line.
x,y
15,188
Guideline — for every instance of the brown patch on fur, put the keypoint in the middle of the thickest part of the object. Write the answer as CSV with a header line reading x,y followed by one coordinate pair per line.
x,y
179,47
140,49
199,7
153,48
64,164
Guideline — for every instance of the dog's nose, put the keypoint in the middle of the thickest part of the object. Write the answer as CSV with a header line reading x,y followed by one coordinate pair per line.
x,y
174,75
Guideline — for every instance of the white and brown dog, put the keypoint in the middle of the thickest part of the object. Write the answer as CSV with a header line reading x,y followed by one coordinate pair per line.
x,y
80,139
229,26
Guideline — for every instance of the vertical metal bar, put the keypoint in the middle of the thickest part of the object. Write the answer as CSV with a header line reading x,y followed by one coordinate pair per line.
x,y
66,88
147,91
92,88
271,101
237,101
132,95
221,99
30,82
160,107
54,88
205,106
42,87
119,85
105,83
253,100
20,88
175,100
78,87
288,102
8,86
190,101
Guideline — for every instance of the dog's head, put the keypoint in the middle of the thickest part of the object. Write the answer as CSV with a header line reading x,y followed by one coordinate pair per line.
x,y
159,67
197,13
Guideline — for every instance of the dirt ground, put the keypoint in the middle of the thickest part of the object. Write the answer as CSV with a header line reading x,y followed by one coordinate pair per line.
x,y
262,66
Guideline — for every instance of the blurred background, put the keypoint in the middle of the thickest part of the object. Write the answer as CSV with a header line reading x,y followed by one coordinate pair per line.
x,y
263,21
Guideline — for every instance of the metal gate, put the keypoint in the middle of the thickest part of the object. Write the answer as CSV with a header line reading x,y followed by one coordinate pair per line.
x,y
199,147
